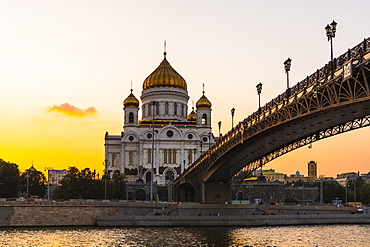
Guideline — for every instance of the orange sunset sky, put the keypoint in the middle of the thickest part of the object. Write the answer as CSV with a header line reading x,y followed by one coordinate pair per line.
x,y
66,67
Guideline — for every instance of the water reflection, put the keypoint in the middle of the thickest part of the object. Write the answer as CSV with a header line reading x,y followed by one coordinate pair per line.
x,y
333,235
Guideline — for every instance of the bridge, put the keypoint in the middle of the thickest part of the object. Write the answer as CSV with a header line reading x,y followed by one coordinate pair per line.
x,y
333,100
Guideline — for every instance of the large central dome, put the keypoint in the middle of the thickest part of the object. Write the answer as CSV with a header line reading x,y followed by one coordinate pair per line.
x,y
164,76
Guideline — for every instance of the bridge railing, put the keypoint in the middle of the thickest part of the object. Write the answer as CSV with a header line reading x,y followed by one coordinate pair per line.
x,y
320,75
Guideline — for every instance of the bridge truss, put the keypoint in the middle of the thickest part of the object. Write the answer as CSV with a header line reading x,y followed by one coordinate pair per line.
x,y
333,100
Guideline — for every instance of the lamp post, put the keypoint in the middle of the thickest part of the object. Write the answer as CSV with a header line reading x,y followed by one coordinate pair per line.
x,y
105,178
153,103
346,192
330,33
287,64
259,91
28,175
219,129
321,177
48,169
354,190
209,140
232,117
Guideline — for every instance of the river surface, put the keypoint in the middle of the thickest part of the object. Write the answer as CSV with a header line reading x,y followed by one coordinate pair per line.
x,y
321,235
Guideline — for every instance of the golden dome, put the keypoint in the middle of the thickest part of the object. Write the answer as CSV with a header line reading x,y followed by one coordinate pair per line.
x,y
131,101
164,76
203,102
192,116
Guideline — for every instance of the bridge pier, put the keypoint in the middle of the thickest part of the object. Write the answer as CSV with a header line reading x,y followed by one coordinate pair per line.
x,y
216,193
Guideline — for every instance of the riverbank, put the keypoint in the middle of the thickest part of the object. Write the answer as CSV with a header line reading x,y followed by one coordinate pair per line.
x,y
250,220
89,213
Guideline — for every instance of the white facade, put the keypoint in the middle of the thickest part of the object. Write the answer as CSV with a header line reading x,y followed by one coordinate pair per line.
x,y
179,138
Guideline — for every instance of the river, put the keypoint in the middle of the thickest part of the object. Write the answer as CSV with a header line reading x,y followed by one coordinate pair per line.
x,y
318,235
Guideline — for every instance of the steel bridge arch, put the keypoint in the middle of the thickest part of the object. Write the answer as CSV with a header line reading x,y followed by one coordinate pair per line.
x,y
326,103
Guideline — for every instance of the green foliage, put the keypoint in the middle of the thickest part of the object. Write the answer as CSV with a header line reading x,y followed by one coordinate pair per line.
x,y
84,184
333,190
364,194
119,185
36,183
9,179
79,185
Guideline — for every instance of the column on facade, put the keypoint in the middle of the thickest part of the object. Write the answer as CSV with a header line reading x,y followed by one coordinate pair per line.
x,y
156,157
141,158
123,164
182,156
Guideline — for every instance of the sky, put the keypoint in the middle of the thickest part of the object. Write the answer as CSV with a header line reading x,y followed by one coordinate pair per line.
x,y
66,66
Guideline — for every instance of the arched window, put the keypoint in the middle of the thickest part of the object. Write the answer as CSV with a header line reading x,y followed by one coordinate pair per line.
x,y
182,110
149,110
114,160
131,117
240,196
175,109
130,157
166,108
204,119
170,176
140,195
157,109
272,197
129,196
149,156
148,177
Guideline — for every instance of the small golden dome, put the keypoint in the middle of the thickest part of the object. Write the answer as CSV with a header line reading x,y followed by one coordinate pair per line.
x,y
192,116
131,101
203,102
164,76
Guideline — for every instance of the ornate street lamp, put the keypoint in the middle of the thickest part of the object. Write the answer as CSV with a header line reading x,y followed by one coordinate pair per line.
x,y
259,91
232,117
105,178
219,129
330,33
209,140
153,103
287,65
48,169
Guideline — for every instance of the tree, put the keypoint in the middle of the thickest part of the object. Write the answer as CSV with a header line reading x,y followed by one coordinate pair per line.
x,y
85,184
333,190
9,179
352,184
80,185
36,183
119,185
364,193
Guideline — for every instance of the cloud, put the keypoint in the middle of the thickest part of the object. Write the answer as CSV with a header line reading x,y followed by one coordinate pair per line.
x,y
71,110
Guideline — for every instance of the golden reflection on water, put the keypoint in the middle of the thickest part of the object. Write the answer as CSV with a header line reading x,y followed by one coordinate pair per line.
x,y
332,235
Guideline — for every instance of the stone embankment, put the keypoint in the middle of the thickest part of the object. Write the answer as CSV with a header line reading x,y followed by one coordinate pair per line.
x,y
45,213
251,220
90,213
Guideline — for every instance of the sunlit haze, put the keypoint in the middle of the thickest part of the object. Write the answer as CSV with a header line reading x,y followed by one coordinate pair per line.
x,y
67,66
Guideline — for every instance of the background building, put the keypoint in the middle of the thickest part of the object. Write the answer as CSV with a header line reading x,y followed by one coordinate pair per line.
x,y
312,171
297,177
271,175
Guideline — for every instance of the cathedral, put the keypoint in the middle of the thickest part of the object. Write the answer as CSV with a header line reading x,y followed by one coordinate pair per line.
x,y
166,138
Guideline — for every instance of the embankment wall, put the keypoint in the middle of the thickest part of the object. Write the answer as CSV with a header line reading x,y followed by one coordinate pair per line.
x,y
250,220
90,213
52,214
